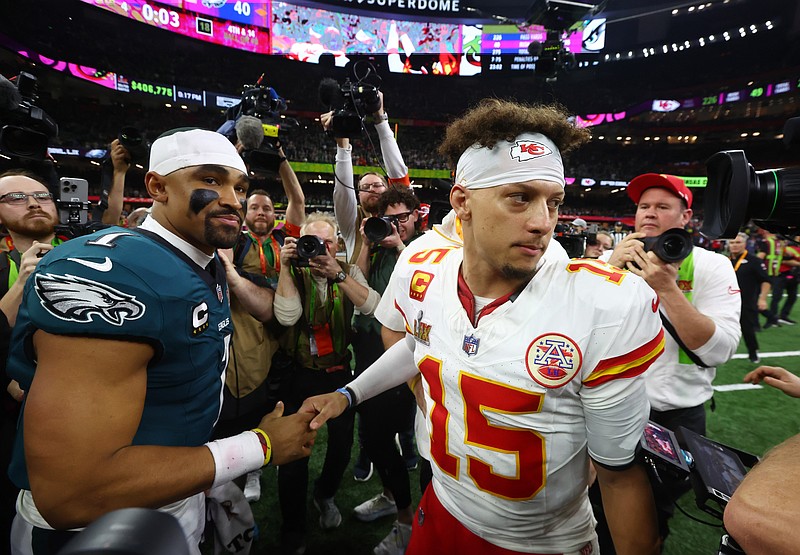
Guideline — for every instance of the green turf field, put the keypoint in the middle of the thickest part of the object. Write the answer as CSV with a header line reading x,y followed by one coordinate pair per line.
x,y
752,420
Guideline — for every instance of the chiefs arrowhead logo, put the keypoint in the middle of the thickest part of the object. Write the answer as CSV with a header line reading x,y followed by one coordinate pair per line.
x,y
76,299
522,151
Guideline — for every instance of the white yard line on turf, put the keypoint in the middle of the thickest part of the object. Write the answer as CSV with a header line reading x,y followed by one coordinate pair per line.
x,y
736,387
771,355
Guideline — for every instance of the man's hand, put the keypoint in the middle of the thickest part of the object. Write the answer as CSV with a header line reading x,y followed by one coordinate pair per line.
x,y
30,259
659,275
364,239
379,112
288,252
777,377
120,157
324,407
392,241
233,277
623,252
326,120
762,304
325,266
290,436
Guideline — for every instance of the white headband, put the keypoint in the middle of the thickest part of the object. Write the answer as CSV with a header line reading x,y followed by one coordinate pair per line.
x,y
193,147
530,156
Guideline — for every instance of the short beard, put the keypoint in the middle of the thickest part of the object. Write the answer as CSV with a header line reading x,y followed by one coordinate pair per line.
x,y
220,238
371,205
262,231
38,229
518,274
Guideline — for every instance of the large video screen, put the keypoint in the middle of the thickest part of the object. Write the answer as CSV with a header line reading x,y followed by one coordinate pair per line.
x,y
505,47
305,33
202,27
251,13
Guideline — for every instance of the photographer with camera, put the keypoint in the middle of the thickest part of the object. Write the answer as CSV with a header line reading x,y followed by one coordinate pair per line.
x,y
350,215
700,304
316,297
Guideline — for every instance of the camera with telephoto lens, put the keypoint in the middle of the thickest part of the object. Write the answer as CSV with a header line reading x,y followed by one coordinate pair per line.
x,y
671,246
308,246
25,129
350,101
379,228
737,193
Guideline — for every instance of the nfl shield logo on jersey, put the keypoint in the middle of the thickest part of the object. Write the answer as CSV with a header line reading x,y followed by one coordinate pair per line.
x,y
470,345
219,292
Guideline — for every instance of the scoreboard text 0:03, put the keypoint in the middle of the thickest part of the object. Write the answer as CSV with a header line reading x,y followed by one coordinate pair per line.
x,y
149,88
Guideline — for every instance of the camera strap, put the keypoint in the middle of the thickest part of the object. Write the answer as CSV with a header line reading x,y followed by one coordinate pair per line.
x,y
671,330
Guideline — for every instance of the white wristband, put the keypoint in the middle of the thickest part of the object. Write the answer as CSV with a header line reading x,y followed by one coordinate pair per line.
x,y
235,456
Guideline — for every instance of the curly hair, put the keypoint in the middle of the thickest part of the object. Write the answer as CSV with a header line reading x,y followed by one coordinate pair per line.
x,y
398,195
493,120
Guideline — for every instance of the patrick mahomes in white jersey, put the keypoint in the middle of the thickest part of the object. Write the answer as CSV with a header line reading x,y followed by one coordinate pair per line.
x,y
515,403
531,363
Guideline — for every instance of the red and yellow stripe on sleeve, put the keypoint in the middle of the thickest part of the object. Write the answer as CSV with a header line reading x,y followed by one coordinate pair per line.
x,y
627,365
405,320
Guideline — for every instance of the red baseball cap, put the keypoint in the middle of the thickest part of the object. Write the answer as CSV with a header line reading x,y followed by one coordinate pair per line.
x,y
672,183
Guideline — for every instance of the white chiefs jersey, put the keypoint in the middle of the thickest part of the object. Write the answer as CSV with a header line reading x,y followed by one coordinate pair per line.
x,y
515,404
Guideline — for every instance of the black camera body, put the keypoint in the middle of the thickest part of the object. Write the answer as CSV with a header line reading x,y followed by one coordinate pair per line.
x,y
736,193
264,103
351,102
378,228
573,243
259,101
134,142
671,246
308,247
24,128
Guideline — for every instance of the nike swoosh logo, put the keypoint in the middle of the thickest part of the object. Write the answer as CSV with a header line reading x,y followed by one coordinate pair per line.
x,y
732,291
104,266
654,304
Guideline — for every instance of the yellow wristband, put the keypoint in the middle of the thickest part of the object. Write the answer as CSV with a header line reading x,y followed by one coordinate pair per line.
x,y
266,444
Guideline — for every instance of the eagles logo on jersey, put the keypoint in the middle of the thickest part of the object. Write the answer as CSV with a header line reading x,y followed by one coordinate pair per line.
x,y
77,299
